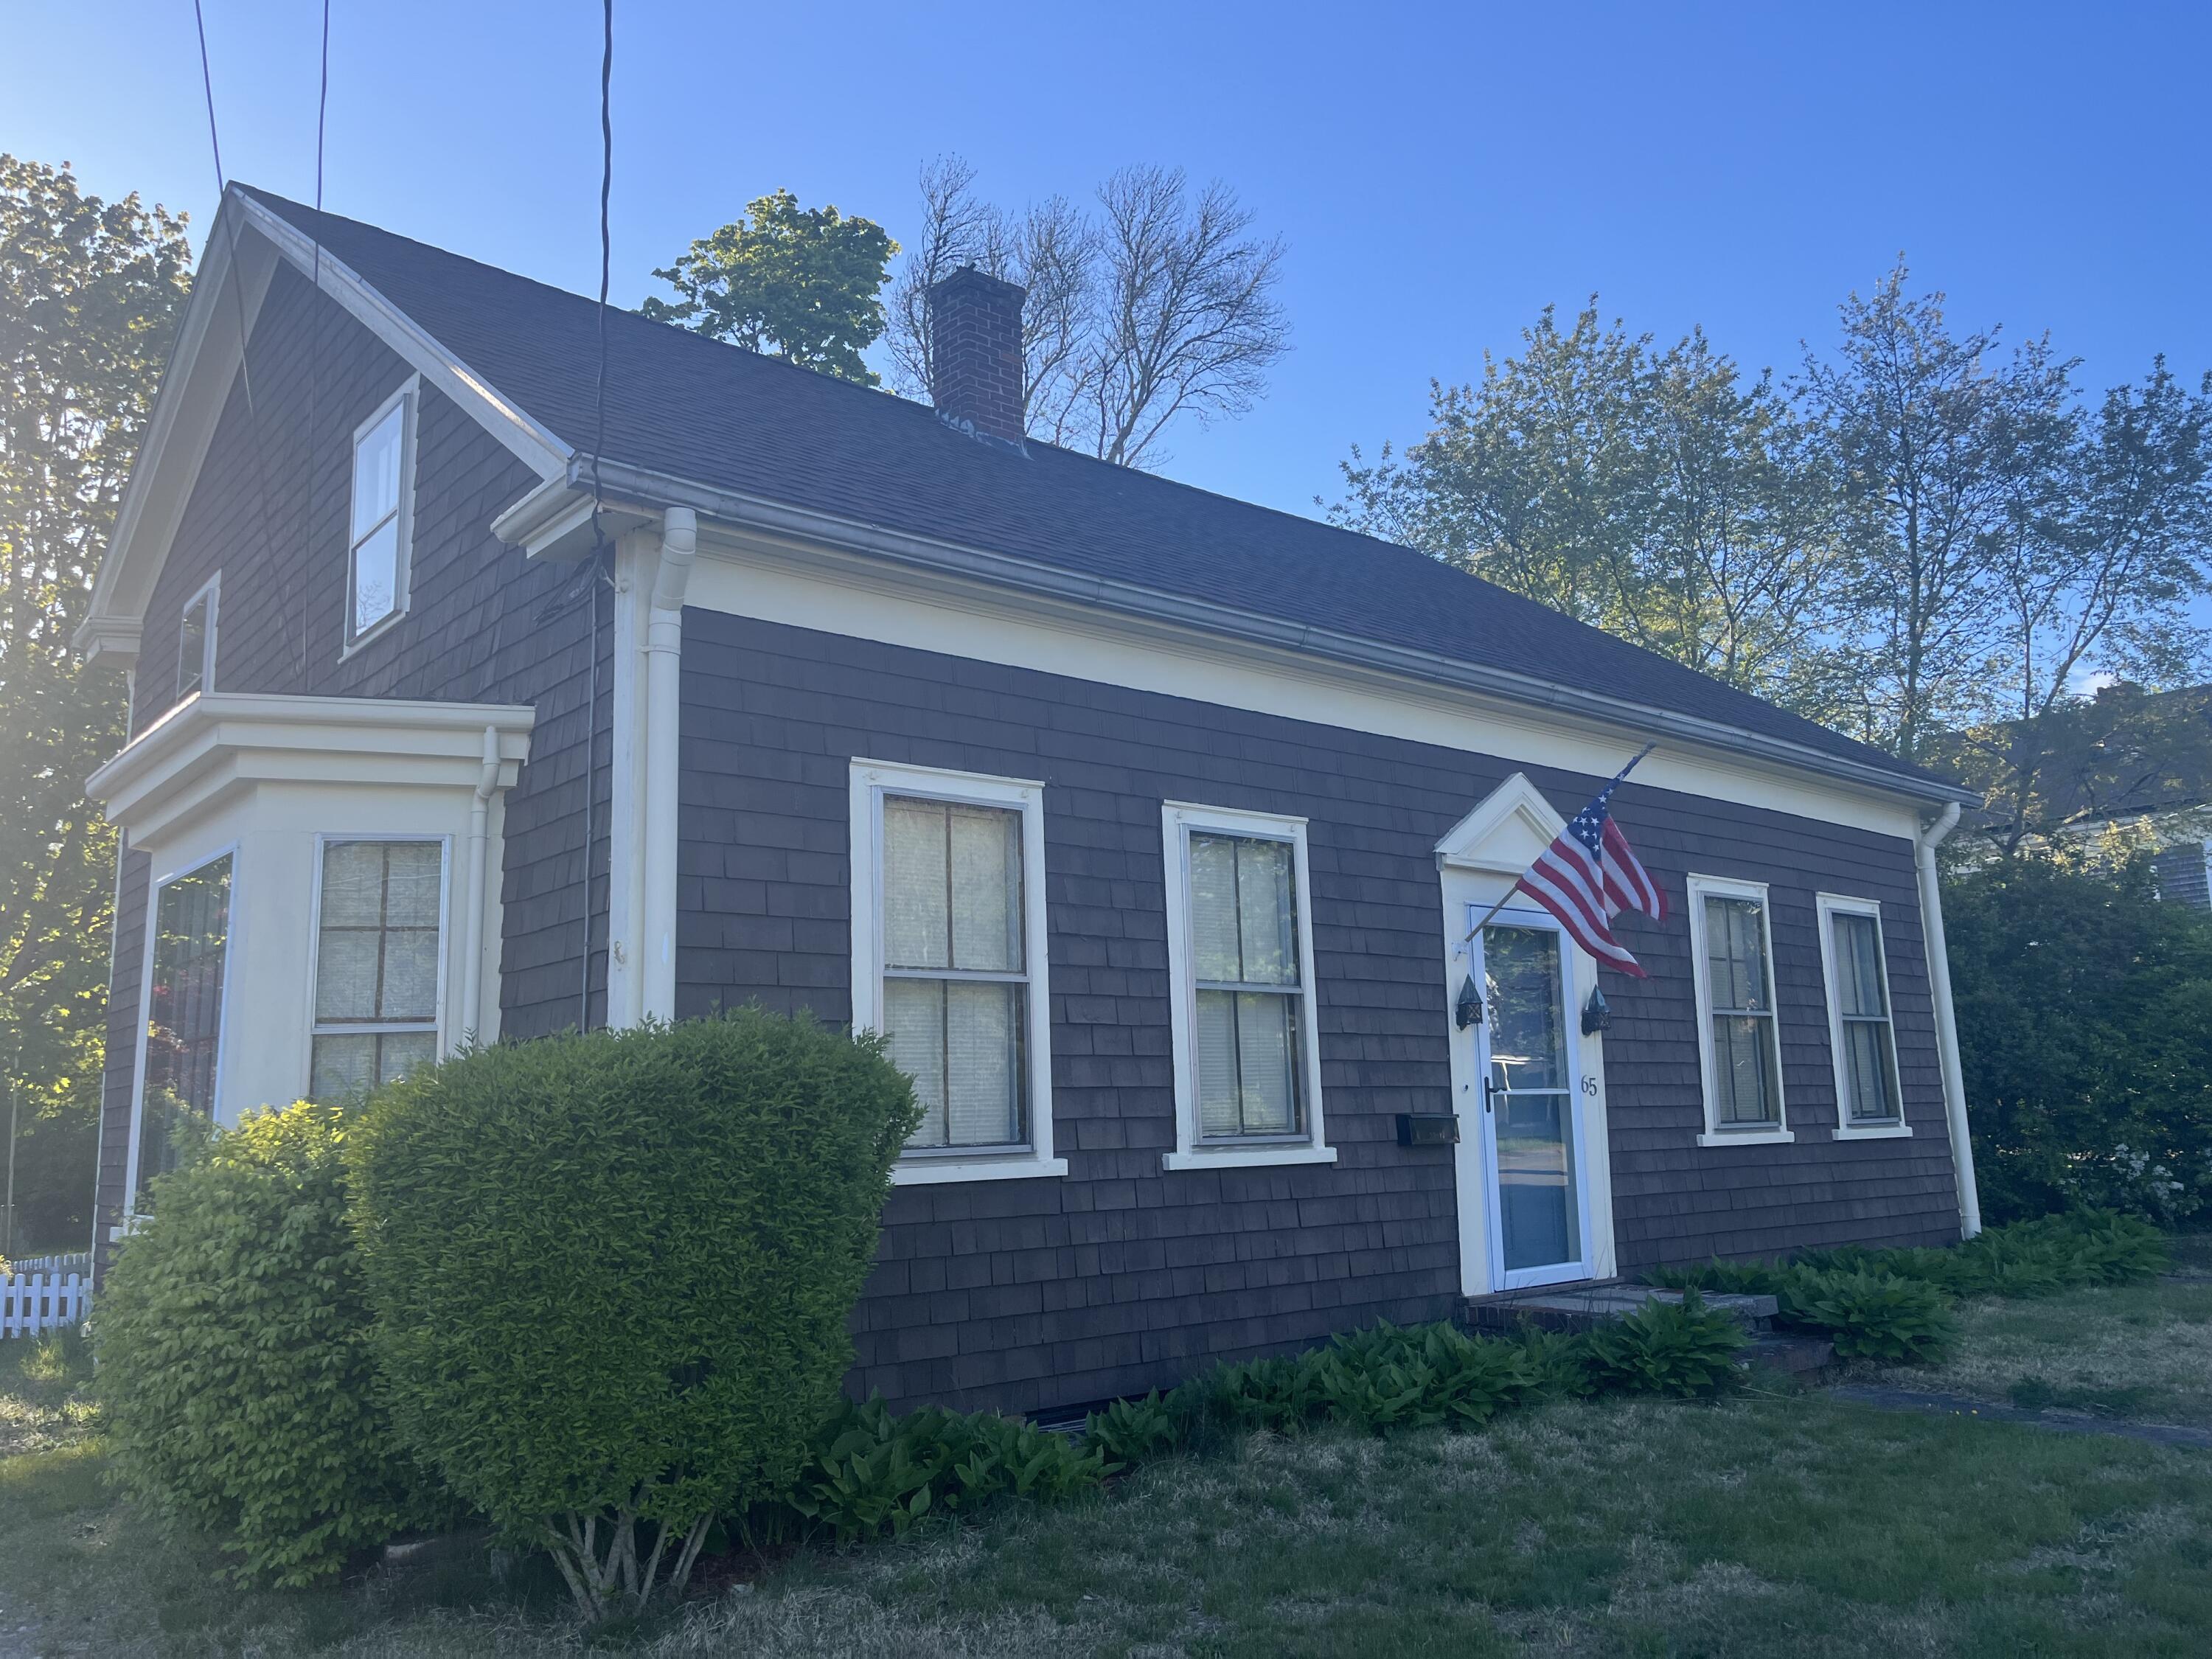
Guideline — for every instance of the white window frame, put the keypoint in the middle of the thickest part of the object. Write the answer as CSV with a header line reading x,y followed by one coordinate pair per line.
x,y
374,1028
211,591
231,850
409,398
1830,906
1178,821
871,780
1701,888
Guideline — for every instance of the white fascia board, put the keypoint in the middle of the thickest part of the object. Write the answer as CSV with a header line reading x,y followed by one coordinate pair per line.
x,y
528,439
553,520
196,383
211,744
802,530
243,246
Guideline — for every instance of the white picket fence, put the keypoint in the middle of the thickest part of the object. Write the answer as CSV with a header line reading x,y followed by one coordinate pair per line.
x,y
31,1303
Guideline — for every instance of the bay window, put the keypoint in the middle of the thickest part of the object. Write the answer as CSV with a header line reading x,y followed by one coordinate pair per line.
x,y
380,910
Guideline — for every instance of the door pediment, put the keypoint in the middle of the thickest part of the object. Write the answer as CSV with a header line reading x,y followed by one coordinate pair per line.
x,y
1508,828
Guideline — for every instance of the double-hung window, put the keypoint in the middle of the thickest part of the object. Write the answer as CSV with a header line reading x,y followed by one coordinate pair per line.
x,y
196,642
1240,958
1869,1100
1732,948
184,984
381,906
381,522
949,963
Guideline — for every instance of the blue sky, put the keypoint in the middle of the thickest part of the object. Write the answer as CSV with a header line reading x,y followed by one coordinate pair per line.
x,y
1439,173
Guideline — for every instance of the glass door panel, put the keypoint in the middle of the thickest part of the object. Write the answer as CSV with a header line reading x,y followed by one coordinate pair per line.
x,y
1529,1088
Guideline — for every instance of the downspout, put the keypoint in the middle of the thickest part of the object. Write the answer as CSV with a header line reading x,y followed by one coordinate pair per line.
x,y
663,688
1947,1027
479,876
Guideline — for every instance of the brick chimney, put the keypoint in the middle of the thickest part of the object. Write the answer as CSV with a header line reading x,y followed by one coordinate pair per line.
x,y
976,353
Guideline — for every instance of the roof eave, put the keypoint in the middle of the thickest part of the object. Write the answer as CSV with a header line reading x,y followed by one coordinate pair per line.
x,y
633,484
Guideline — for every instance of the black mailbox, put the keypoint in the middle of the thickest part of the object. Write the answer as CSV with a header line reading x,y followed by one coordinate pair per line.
x,y
1428,1128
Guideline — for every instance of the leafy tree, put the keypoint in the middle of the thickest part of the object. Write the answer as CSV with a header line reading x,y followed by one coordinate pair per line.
x,y
1159,305
2085,1032
90,292
1944,449
799,283
1661,494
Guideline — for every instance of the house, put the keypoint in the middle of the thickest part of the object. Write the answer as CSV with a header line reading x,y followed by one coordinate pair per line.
x,y
2125,762
1150,826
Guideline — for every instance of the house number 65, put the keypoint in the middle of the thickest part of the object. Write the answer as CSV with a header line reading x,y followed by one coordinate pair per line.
x,y
1589,1086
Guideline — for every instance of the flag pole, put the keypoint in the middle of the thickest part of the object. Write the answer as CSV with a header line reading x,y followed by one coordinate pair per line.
x,y
1516,888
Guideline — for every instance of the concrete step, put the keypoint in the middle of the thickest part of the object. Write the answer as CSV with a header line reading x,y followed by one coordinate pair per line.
x,y
1578,1307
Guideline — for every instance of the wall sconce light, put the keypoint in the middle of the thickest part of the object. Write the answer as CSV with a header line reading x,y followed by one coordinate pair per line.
x,y
1597,1015
1468,1009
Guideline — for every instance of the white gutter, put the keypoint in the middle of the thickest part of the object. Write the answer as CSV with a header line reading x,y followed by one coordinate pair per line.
x,y
540,508
479,844
664,686
1947,1027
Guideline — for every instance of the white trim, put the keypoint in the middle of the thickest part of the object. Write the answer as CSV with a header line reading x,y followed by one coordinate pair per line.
x,y
869,781
232,917
407,400
1745,1137
1177,820
213,746
1925,843
212,591
1700,888
894,558
872,598
437,1027
1828,906
663,763
195,386
634,558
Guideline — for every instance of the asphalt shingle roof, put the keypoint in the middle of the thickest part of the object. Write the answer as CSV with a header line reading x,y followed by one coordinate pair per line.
x,y
715,414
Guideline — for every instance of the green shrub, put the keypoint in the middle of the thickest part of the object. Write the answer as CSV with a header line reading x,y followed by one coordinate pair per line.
x,y
1667,1347
612,1273
2085,1033
1873,1315
1128,1431
235,1361
871,1472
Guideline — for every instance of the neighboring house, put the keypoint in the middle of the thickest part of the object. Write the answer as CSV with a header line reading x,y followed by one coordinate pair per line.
x,y
2127,759
1150,825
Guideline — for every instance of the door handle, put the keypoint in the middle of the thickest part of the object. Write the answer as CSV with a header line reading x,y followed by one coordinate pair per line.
x,y
1486,1087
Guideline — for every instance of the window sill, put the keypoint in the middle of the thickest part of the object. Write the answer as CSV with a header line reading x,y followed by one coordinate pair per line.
x,y
935,1171
376,631
1873,1132
1246,1157
1747,1137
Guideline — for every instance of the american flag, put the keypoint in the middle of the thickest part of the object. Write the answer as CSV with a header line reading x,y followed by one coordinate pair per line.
x,y
1589,875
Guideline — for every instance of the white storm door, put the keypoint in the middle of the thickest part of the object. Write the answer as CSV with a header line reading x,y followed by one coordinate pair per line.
x,y
1529,1079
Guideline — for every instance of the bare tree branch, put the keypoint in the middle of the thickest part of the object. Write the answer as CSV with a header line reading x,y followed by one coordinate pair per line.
x,y
1162,305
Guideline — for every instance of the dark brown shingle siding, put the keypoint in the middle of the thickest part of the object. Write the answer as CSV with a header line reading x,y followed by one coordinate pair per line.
x,y
1122,1277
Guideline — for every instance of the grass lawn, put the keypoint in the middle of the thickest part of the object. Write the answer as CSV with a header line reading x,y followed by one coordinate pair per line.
x,y
2140,1351
1769,1523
